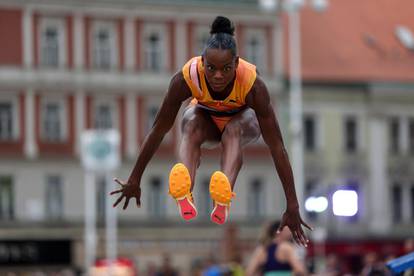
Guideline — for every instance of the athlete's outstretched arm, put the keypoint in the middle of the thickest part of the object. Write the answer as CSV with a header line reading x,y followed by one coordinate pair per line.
x,y
178,92
258,99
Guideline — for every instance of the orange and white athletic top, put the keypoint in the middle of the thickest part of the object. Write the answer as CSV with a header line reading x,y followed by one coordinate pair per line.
x,y
193,72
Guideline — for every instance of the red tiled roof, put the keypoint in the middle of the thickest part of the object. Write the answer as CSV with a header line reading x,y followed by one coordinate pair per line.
x,y
354,40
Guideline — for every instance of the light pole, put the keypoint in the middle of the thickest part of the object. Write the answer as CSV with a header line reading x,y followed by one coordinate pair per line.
x,y
295,98
292,7
295,89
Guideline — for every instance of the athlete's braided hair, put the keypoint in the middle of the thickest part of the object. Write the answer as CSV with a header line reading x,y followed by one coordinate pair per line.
x,y
221,36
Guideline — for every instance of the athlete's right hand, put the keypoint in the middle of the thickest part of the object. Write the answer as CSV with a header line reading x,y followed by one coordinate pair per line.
x,y
128,190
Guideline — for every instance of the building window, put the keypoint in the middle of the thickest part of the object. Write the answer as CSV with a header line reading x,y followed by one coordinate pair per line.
x,y
53,121
253,51
350,134
50,47
310,133
104,116
411,135
396,194
205,202
153,52
104,46
6,121
200,41
152,114
412,202
156,198
102,50
394,135
6,198
256,199
101,197
52,42
152,108
154,38
255,48
54,197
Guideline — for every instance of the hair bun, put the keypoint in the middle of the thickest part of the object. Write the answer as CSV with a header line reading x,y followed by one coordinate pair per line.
x,y
222,25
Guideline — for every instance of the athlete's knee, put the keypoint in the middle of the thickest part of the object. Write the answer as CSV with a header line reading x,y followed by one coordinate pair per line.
x,y
232,131
255,129
193,128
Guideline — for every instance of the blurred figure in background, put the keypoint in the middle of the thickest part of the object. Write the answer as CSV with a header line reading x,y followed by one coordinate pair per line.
x,y
373,266
332,266
275,256
211,267
409,248
151,269
166,268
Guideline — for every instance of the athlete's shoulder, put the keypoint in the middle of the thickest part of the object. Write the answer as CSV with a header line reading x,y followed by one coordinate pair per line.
x,y
186,70
246,75
178,82
259,84
192,60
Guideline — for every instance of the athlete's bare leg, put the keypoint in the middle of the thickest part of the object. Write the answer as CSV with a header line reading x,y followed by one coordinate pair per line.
x,y
242,129
197,129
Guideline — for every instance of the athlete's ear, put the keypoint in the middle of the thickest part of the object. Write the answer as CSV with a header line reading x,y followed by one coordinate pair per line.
x,y
237,61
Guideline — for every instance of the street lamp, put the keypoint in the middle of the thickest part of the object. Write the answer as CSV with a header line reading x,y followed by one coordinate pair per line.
x,y
292,8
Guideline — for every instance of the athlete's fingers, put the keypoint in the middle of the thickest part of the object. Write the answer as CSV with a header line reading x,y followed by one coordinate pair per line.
x,y
118,200
119,181
126,203
306,225
115,192
303,241
296,238
299,239
303,238
138,202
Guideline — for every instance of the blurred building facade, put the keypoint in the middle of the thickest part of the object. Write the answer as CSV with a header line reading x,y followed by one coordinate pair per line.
x,y
67,66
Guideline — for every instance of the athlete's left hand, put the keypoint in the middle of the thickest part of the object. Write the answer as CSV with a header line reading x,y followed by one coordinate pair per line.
x,y
291,218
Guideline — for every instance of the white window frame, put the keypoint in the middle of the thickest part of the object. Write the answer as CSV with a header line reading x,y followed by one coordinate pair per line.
x,y
113,105
358,134
54,215
162,209
400,134
318,130
155,102
12,197
63,115
199,32
13,99
60,25
262,197
410,146
110,26
260,35
160,29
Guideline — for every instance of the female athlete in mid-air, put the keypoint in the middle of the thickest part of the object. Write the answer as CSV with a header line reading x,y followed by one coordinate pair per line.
x,y
230,108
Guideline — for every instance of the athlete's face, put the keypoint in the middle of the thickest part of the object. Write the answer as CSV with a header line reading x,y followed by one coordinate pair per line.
x,y
219,67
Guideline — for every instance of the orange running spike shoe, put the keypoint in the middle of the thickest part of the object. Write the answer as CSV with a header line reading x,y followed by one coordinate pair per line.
x,y
179,189
220,192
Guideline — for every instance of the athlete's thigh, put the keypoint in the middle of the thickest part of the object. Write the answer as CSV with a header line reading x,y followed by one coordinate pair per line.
x,y
247,120
199,118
